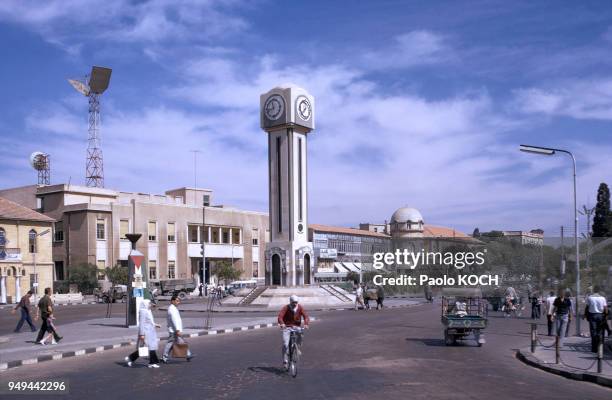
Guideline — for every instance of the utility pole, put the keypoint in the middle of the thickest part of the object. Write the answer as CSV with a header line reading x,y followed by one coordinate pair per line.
x,y
562,256
586,211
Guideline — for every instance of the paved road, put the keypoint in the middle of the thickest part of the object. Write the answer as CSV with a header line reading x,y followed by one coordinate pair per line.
x,y
81,312
389,354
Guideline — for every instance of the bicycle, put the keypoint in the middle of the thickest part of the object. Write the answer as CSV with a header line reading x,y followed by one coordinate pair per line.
x,y
294,350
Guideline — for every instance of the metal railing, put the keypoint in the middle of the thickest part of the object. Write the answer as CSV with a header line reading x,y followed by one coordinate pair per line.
x,y
535,340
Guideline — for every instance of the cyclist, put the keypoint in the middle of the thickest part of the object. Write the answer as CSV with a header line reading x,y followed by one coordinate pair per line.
x,y
290,317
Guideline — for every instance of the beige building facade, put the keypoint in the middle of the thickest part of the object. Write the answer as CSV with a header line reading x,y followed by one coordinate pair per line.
x,y
26,260
91,224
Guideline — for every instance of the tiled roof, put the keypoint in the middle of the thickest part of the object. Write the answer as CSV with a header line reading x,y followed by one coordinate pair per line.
x,y
349,231
428,231
12,210
442,231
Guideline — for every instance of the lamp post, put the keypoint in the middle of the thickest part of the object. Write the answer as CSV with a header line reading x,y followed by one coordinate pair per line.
x,y
34,261
547,151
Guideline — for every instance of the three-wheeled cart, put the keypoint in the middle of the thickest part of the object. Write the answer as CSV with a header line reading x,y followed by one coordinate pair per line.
x,y
464,315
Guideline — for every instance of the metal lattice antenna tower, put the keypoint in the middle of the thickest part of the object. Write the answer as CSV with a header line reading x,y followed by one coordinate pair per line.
x,y
95,162
93,87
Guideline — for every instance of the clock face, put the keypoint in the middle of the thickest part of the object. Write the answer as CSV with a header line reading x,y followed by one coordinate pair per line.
x,y
304,109
274,107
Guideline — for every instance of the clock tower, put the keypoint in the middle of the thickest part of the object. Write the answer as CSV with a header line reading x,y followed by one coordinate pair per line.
x,y
287,115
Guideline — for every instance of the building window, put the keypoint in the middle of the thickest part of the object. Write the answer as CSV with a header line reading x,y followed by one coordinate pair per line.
x,y
152,269
59,270
59,231
124,228
236,236
255,235
215,235
225,235
40,204
100,234
152,230
171,232
2,238
171,270
193,233
255,269
32,241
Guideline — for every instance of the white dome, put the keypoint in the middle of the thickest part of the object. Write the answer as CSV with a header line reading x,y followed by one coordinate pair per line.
x,y
406,214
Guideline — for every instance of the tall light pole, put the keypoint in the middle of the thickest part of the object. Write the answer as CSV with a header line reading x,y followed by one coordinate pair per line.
x,y
547,151
34,260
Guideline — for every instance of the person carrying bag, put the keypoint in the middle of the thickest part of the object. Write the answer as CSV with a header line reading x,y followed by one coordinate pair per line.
x,y
147,343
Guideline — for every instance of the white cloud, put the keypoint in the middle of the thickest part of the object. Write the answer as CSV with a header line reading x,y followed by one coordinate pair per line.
x,y
418,47
580,99
67,23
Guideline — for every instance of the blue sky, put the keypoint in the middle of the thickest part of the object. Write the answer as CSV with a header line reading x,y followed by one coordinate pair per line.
x,y
418,103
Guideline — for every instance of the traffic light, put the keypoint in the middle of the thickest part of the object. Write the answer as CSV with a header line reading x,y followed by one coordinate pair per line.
x,y
202,249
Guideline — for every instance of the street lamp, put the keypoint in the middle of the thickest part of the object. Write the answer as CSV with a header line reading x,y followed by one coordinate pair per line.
x,y
34,260
547,151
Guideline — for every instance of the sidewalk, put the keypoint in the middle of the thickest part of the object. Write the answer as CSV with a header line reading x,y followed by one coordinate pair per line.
x,y
201,307
576,359
96,335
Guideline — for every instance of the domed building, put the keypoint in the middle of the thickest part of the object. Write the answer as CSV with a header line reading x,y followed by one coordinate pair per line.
x,y
406,222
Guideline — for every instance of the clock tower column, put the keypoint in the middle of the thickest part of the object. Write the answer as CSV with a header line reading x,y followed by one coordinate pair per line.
x,y
287,115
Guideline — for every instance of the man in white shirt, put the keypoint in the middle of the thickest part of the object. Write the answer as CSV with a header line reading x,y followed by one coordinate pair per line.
x,y
549,311
175,329
596,312
359,297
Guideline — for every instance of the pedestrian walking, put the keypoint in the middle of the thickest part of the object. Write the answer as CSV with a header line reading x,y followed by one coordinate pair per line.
x,y
147,336
45,309
595,312
50,325
366,297
380,296
562,314
568,295
24,308
536,303
549,312
359,297
175,329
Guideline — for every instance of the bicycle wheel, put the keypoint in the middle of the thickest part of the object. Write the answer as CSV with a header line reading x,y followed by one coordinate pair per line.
x,y
293,359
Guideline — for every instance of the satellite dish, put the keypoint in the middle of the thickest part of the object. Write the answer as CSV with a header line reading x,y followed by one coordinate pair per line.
x,y
38,160
79,86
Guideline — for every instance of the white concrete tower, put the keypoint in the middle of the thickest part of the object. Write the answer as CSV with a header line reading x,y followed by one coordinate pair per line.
x,y
287,115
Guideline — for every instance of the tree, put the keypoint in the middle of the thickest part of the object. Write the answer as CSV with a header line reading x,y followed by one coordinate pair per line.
x,y
225,271
476,233
352,276
602,221
117,275
85,276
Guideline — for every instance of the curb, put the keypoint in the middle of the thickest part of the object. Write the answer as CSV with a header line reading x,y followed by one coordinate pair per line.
x,y
98,349
4,306
258,309
570,373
